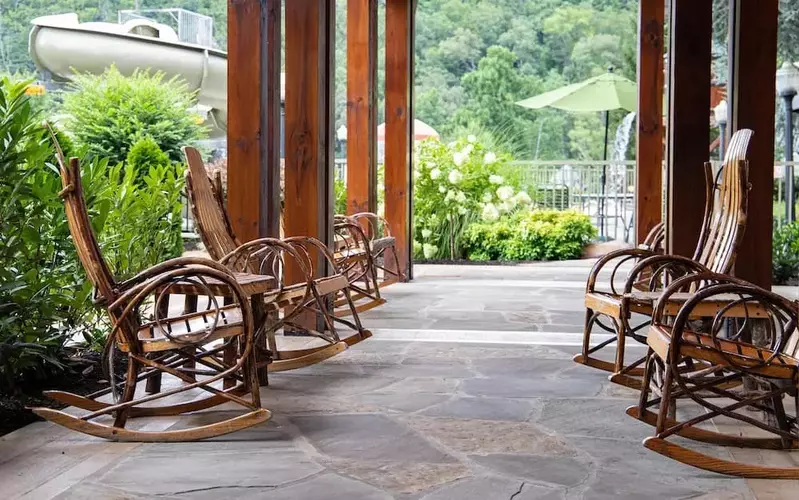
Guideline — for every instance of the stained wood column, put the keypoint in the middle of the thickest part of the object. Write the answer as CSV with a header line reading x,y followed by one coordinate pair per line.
x,y
361,106
690,31
253,85
751,96
649,146
399,126
308,200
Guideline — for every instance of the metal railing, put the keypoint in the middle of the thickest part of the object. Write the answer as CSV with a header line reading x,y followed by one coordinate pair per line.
x,y
578,185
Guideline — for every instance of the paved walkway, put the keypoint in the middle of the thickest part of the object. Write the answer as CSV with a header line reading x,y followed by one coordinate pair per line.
x,y
466,391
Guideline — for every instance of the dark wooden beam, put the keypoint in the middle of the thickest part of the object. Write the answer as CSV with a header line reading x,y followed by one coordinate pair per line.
x,y
308,200
690,33
399,126
751,95
361,106
649,146
253,98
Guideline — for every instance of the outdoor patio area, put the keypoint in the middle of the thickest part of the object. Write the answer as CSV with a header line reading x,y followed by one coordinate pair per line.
x,y
466,391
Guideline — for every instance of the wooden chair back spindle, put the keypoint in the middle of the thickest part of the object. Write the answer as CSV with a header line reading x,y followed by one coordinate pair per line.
x,y
215,229
81,230
725,212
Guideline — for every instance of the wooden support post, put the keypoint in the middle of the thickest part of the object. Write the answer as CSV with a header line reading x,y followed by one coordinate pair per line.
x,y
649,146
399,126
751,96
689,121
253,121
361,106
253,115
308,203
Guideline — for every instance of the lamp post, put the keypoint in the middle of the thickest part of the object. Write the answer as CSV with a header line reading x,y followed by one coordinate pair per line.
x,y
787,86
720,113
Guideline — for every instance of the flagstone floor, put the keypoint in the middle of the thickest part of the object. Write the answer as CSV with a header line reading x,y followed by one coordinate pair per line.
x,y
466,391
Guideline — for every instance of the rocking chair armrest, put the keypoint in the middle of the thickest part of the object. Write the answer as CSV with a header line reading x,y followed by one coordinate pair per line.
x,y
736,352
204,276
678,287
374,220
306,243
355,232
263,252
659,263
624,255
169,265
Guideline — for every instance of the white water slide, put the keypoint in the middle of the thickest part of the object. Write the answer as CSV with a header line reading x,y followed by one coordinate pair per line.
x,y
61,45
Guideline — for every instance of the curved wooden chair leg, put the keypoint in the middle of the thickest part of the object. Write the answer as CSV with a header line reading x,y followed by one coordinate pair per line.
x,y
713,464
123,434
308,357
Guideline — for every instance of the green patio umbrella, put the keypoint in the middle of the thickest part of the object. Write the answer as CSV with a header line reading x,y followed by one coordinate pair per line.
x,y
605,93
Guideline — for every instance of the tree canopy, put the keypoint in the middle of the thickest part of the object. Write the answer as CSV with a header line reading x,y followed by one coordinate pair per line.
x,y
474,59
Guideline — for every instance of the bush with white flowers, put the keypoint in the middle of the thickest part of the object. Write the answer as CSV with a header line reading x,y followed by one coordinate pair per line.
x,y
456,184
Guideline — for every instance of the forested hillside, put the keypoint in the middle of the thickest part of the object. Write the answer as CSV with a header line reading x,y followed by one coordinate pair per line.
x,y
474,58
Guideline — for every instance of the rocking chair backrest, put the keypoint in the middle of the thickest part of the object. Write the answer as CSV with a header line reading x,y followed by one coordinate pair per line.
x,y
725,217
206,205
81,230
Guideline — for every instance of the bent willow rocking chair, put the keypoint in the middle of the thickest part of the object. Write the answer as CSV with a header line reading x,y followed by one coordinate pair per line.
x,y
287,302
354,258
738,365
204,352
648,270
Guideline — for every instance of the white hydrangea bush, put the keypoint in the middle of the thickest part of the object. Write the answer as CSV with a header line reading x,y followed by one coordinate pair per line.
x,y
455,184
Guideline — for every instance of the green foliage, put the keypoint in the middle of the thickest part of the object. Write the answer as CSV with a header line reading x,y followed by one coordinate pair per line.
x,y
537,235
109,113
33,300
44,296
455,184
138,217
785,253
144,154
340,192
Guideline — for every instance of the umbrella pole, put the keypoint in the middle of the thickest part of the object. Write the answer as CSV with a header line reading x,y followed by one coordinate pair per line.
x,y
603,179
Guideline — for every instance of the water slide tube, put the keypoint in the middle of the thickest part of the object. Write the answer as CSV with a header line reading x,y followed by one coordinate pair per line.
x,y
62,46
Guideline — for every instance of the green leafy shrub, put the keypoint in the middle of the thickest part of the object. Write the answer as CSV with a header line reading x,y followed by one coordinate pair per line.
x,y
340,191
33,241
45,299
785,253
109,113
144,154
454,185
538,235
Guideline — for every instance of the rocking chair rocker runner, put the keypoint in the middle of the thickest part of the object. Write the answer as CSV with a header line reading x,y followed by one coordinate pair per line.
x,y
722,229
271,256
707,364
156,343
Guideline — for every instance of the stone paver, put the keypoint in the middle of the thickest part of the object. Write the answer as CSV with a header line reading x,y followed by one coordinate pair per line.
x,y
409,419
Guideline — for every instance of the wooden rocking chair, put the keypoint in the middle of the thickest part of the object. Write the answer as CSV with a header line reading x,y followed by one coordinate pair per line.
x,y
722,229
271,256
353,255
219,339
381,243
751,341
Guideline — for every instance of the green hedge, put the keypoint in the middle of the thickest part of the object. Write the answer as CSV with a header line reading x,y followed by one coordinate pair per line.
x,y
538,235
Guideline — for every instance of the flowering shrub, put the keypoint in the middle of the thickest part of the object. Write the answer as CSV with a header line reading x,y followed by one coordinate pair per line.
x,y
539,235
454,185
